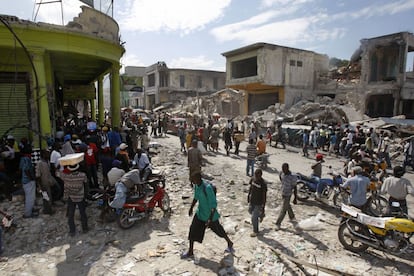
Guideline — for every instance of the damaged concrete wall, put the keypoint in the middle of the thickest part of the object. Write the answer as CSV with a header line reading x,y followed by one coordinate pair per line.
x,y
196,80
96,23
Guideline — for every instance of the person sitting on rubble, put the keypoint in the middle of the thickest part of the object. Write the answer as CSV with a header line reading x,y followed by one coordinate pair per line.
x,y
143,164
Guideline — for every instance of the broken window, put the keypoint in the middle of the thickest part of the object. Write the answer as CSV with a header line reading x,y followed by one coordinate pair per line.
x,y
292,62
380,105
299,63
182,81
408,109
384,63
244,68
262,101
163,79
151,80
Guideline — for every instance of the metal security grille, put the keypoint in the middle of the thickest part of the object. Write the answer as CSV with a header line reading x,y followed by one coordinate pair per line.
x,y
14,105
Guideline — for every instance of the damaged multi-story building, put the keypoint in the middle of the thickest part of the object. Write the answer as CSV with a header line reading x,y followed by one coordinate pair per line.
x,y
386,86
163,84
270,74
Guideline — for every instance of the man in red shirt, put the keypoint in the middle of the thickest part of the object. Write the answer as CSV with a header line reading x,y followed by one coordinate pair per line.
x,y
91,158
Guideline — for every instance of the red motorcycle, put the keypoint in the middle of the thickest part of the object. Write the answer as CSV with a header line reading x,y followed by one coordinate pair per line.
x,y
140,206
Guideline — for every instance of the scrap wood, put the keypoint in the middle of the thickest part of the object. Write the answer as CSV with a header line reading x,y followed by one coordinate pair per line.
x,y
314,266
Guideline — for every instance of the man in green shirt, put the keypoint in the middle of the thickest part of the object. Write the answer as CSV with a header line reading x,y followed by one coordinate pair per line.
x,y
206,216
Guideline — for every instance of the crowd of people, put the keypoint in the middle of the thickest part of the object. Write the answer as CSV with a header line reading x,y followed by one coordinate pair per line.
x,y
118,150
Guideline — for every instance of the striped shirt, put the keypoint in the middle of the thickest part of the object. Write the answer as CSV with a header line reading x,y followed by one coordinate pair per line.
x,y
251,151
288,183
74,186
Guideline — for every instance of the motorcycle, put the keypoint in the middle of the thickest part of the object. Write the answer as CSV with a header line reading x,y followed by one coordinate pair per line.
x,y
306,187
103,197
262,160
140,205
358,231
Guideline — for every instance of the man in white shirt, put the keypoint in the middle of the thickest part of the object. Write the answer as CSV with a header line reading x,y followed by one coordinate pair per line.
x,y
143,164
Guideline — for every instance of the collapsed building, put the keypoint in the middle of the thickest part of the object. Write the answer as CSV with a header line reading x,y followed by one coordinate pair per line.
x,y
294,83
386,87
270,74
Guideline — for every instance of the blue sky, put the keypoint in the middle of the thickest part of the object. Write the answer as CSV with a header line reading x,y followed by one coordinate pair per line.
x,y
193,33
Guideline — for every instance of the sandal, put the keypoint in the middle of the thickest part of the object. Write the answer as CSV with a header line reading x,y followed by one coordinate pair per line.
x,y
187,256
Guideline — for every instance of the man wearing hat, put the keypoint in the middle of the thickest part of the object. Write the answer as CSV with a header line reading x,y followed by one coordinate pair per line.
x,y
358,185
74,188
122,155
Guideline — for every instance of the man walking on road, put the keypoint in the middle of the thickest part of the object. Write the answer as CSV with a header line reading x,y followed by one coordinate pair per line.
x,y
288,185
251,157
257,200
206,216
194,159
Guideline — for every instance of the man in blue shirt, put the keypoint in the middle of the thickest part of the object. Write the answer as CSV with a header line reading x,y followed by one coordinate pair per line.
x,y
358,185
206,216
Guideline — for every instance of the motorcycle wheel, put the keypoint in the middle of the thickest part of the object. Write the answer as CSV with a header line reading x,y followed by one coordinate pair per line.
x,y
347,239
339,198
302,191
377,205
123,219
165,203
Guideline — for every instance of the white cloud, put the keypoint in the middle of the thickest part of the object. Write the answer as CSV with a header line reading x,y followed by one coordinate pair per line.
x,y
270,3
131,60
287,32
377,10
279,24
199,62
183,16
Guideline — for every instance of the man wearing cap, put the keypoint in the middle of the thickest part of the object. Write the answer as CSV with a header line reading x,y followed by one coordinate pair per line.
x,y
358,185
122,155
67,145
74,194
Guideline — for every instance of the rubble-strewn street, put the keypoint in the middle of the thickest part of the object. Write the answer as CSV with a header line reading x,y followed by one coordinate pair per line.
x,y
42,246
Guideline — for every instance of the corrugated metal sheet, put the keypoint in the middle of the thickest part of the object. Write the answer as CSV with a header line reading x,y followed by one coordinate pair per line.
x,y
14,109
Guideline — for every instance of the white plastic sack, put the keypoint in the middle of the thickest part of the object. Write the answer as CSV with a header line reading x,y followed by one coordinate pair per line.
x,y
120,196
312,223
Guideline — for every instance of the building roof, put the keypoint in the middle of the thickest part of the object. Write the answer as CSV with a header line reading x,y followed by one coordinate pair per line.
x,y
259,45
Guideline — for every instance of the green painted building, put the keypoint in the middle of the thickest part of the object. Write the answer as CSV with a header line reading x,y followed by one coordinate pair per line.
x,y
45,68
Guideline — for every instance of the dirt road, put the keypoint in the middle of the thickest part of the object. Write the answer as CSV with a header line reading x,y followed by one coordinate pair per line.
x,y
41,246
